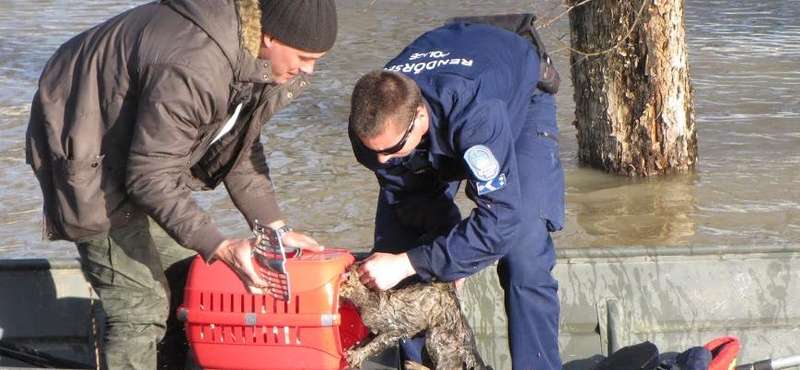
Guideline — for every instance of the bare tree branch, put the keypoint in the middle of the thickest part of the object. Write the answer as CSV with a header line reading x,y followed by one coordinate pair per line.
x,y
566,46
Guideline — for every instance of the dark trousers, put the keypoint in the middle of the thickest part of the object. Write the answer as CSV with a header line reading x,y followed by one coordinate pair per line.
x,y
531,299
139,272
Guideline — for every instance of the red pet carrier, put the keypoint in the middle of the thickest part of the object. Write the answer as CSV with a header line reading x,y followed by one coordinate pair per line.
x,y
229,328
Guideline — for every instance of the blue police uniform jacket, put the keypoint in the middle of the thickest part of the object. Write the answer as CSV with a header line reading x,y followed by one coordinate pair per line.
x,y
477,82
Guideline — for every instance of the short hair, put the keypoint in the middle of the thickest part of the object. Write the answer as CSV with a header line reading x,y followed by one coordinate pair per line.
x,y
381,97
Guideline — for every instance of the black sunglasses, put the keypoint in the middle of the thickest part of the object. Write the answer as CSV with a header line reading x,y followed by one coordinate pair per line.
x,y
399,146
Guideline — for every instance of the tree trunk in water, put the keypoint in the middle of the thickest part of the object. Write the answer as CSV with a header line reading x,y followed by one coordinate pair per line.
x,y
633,99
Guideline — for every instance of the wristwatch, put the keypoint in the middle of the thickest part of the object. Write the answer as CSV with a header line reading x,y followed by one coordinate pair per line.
x,y
283,230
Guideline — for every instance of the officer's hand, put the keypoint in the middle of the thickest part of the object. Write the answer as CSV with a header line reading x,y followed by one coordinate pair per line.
x,y
382,271
294,239
236,253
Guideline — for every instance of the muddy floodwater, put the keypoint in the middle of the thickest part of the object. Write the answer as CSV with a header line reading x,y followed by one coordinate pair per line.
x,y
745,68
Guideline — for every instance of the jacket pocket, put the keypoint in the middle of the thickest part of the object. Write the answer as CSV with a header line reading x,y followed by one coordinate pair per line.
x,y
79,196
547,166
551,206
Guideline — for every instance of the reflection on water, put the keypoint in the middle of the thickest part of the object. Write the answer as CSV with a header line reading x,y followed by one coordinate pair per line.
x,y
744,62
657,211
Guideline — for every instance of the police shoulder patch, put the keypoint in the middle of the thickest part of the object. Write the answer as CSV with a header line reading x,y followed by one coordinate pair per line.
x,y
482,163
486,187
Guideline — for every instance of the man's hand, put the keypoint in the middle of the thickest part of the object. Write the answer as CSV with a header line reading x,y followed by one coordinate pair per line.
x,y
382,271
294,239
236,253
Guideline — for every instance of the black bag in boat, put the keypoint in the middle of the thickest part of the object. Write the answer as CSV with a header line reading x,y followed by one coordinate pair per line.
x,y
642,356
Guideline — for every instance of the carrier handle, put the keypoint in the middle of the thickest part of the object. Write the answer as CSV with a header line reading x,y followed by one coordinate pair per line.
x,y
304,320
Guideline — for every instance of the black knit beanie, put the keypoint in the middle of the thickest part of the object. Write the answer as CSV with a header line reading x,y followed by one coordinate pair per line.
x,y
308,25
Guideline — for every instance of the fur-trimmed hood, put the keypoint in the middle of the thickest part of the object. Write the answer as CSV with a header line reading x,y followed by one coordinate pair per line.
x,y
217,18
250,20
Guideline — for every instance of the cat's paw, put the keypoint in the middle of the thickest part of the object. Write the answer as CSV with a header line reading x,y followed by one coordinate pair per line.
x,y
355,358
411,365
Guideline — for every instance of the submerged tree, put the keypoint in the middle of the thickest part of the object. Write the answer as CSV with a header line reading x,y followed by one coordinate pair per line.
x,y
633,100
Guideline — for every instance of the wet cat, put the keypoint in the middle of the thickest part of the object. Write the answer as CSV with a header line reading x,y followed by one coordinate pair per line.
x,y
399,314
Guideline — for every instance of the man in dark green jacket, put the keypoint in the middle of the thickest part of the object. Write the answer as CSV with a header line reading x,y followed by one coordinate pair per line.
x,y
134,114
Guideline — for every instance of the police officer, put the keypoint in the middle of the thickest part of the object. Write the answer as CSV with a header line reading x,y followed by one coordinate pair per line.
x,y
461,103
